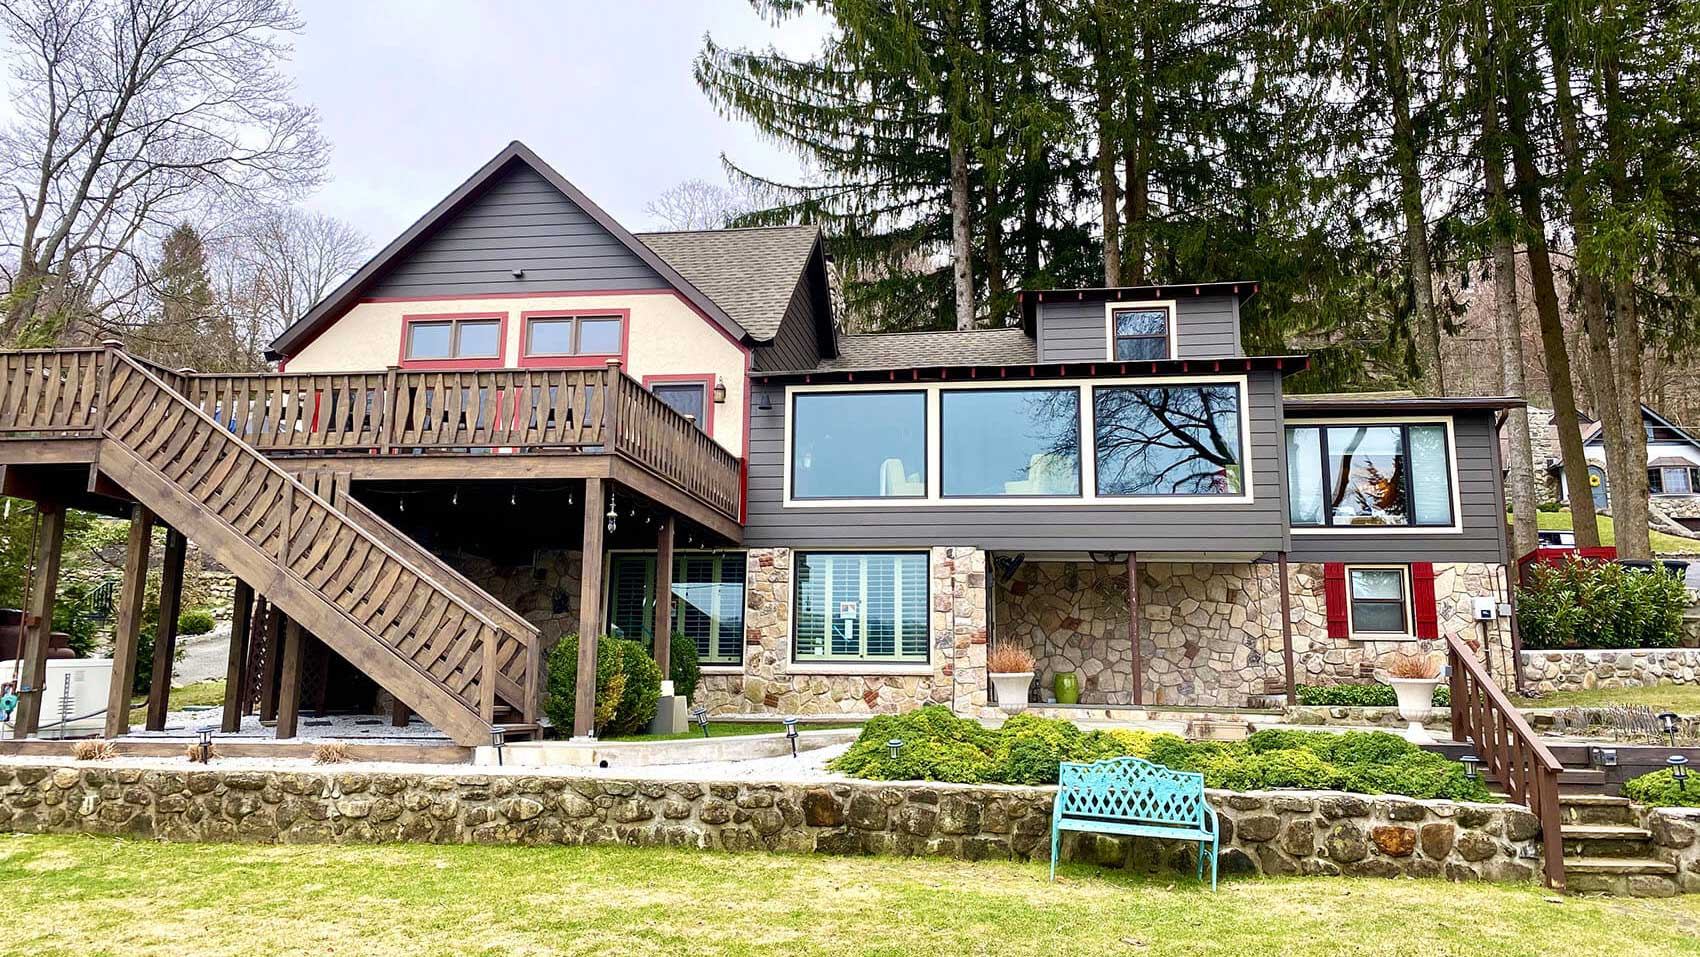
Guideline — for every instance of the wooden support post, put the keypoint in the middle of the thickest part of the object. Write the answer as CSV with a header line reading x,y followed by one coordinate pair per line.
x,y
1133,627
258,651
38,619
289,693
589,608
399,712
235,670
1287,630
269,668
663,626
128,627
165,637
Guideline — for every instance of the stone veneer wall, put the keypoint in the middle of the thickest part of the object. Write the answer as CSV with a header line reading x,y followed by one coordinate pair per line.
x,y
1676,840
544,592
1320,833
1210,633
769,682
1548,671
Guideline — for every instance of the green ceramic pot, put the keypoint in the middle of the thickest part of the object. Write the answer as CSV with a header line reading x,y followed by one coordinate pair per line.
x,y
1067,687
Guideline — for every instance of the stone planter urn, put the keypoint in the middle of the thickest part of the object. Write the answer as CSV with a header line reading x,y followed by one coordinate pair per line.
x,y
1416,705
1012,689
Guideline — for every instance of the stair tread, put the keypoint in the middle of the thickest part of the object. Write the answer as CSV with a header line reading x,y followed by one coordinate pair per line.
x,y
1596,800
1607,831
1617,865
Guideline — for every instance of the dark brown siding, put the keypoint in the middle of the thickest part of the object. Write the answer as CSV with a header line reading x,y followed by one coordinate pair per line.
x,y
520,222
1074,331
795,345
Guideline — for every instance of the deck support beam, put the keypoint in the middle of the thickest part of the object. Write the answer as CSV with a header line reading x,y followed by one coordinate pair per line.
x,y
241,610
289,691
662,643
1287,630
127,630
589,606
38,618
1133,628
165,636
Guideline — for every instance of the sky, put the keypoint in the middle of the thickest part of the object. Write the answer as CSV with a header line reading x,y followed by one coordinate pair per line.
x,y
415,95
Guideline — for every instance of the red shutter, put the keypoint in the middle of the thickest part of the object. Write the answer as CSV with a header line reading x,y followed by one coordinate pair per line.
x,y
1334,598
1423,608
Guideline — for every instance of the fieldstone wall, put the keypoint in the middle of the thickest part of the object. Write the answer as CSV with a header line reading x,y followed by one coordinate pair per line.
x,y
1548,671
1676,840
1321,833
544,592
770,683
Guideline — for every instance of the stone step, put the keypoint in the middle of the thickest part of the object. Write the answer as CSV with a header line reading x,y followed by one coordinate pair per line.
x,y
1596,809
1617,866
1606,840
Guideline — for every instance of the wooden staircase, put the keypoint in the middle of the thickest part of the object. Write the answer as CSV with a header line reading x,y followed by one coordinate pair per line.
x,y
442,646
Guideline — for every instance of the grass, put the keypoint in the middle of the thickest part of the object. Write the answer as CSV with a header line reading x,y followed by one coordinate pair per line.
x,y
1662,543
1683,699
209,693
728,729
99,896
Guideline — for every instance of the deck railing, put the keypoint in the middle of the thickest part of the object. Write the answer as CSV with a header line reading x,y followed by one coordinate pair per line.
x,y
1510,751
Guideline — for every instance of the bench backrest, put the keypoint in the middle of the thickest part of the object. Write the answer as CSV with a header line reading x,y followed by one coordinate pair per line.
x,y
1130,789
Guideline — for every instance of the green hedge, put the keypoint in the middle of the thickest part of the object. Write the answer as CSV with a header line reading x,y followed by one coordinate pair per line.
x,y
939,746
686,670
1578,604
561,683
195,621
1362,696
1659,789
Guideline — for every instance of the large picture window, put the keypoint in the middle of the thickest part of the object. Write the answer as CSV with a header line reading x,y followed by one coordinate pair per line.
x,y
1011,442
866,606
859,445
1369,475
1168,440
708,601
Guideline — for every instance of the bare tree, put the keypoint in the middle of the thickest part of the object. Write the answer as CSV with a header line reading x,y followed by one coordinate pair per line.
x,y
289,259
698,204
133,115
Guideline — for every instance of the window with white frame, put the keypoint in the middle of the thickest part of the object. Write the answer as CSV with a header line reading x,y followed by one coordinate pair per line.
x,y
1376,475
1141,332
1379,600
848,445
861,606
1673,479
708,601
1168,440
1010,442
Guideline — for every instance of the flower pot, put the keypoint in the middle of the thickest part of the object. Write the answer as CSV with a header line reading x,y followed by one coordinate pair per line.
x,y
1416,704
1012,689
1067,687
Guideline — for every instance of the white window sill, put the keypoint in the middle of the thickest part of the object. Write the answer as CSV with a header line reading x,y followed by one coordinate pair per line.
x,y
1366,639
721,669
856,668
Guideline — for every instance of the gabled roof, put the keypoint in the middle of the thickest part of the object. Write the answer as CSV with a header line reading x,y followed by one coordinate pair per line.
x,y
349,293
1594,434
751,273
904,350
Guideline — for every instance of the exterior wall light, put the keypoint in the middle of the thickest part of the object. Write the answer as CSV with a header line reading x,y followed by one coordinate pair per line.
x,y
1470,763
700,713
791,733
719,390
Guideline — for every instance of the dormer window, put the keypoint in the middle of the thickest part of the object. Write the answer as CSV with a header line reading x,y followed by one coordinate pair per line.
x,y
1140,332
572,338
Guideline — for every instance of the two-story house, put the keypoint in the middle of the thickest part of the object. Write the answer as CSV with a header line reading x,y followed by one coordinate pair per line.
x,y
522,420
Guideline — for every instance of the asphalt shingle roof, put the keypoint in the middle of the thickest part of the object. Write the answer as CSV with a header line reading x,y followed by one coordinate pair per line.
x,y
903,350
749,273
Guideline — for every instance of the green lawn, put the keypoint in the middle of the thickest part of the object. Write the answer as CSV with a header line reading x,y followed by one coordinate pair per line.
x,y
80,896
1662,544
1683,699
727,729
209,693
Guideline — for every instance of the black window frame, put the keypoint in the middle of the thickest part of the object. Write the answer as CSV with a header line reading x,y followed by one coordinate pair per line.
x,y
1327,513
1116,337
926,446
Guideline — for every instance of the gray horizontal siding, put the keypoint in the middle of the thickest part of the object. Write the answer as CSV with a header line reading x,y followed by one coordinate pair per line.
x,y
1075,331
523,222
1257,526
1482,538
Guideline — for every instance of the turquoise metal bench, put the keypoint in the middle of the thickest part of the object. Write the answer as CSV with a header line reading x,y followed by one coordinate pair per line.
x,y
1134,797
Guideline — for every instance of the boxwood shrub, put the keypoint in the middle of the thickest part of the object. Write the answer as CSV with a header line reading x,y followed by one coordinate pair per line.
x,y
1375,695
560,687
1579,604
939,746
1659,789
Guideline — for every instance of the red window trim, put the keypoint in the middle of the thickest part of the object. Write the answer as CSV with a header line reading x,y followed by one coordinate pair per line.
x,y
705,379
525,361
496,362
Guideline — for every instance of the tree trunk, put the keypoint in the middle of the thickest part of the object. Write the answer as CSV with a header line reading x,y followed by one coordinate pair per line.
x,y
1107,176
1431,379
1136,188
961,239
1557,353
1630,518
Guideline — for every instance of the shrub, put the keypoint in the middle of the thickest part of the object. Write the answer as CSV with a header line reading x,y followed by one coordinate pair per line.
x,y
562,679
1361,696
686,670
1009,660
1550,506
937,746
195,621
1580,604
641,690
1659,789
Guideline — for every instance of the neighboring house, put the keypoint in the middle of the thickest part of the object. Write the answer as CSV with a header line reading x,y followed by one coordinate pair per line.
x,y
1673,465
852,520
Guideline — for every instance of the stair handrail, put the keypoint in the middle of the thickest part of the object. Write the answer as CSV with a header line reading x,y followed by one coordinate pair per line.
x,y
1509,749
117,354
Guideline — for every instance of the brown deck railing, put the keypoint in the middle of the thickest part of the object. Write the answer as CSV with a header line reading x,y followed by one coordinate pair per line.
x,y
525,410
1509,750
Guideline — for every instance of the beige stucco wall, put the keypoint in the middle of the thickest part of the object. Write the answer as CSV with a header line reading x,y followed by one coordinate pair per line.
x,y
667,337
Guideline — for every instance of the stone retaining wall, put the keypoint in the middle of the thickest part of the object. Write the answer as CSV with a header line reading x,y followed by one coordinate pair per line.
x,y
1321,833
1676,839
1548,671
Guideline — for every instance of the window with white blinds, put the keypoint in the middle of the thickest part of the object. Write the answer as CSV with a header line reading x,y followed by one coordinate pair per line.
x,y
708,601
861,606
